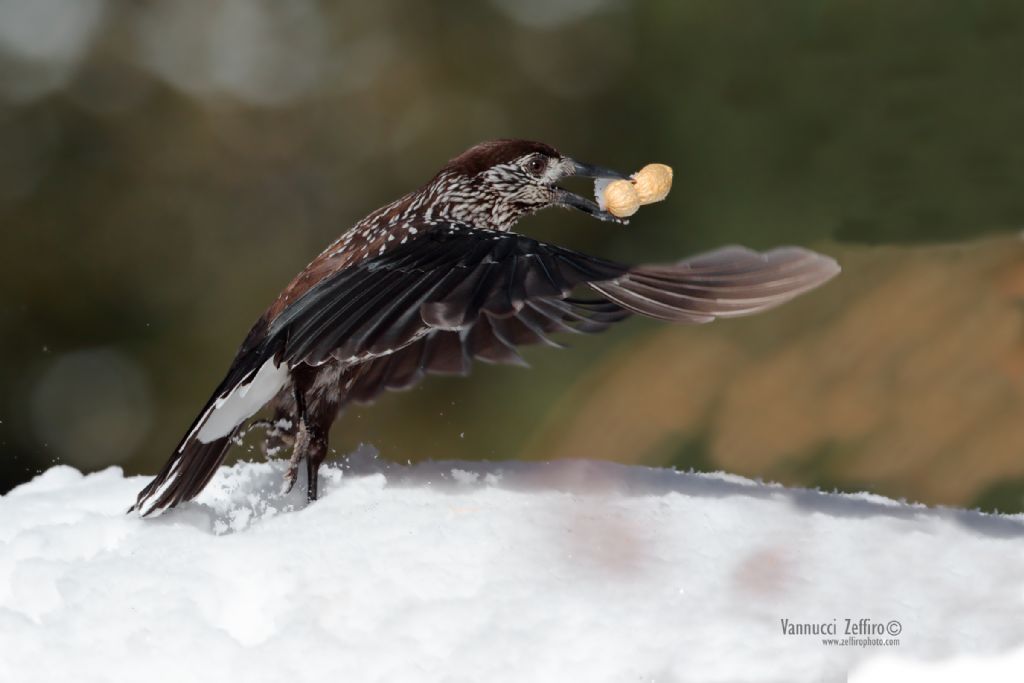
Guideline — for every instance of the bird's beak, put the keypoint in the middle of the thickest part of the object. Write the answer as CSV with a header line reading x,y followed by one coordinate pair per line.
x,y
596,172
569,199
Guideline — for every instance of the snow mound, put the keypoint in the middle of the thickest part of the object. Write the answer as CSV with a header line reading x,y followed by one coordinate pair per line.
x,y
561,571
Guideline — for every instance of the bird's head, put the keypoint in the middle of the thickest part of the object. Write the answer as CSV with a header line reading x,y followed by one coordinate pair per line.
x,y
496,183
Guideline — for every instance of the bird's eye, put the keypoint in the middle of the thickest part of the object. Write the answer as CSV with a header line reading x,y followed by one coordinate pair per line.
x,y
536,165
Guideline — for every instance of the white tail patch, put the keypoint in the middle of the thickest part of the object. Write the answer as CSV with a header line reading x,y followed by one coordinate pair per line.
x,y
242,402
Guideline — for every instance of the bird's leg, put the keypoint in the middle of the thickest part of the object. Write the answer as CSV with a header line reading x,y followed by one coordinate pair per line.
x,y
300,440
311,445
313,415
315,454
298,452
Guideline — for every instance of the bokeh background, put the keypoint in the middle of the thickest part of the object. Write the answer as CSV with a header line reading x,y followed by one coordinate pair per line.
x,y
166,166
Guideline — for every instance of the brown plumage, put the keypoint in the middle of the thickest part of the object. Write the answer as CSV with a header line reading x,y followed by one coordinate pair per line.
x,y
436,279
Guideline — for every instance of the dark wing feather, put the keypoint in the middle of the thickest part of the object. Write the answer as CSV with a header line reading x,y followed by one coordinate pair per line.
x,y
724,283
446,280
727,282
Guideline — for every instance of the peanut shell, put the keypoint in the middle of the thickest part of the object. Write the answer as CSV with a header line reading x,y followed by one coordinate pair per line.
x,y
653,183
621,199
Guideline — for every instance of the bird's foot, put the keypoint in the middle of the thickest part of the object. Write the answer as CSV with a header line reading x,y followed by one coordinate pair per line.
x,y
290,475
300,442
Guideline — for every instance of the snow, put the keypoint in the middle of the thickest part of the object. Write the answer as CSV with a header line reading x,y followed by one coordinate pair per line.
x,y
1003,667
465,571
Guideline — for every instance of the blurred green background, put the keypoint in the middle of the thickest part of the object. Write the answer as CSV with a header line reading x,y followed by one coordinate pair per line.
x,y
166,166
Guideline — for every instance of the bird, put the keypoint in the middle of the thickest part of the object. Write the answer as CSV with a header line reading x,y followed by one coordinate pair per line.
x,y
438,279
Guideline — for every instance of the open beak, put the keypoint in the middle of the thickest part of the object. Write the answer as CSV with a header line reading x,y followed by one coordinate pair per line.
x,y
568,199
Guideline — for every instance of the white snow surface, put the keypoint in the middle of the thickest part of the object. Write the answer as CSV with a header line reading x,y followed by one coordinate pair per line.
x,y
564,571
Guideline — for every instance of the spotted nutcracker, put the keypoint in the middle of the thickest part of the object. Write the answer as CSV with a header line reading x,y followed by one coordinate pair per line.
x,y
436,279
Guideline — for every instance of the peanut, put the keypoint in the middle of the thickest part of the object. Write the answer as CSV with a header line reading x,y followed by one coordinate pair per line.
x,y
620,198
653,182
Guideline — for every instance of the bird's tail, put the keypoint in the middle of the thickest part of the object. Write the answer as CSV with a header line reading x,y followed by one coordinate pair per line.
x,y
252,380
728,282
184,475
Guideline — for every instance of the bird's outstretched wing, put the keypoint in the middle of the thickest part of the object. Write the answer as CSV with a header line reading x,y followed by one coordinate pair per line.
x,y
728,282
457,293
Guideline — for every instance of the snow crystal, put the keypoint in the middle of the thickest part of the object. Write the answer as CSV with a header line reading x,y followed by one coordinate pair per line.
x,y
514,572
464,477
